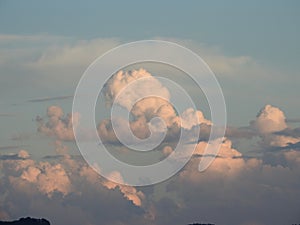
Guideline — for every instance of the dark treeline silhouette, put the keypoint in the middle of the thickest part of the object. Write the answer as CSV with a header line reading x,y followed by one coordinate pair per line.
x,y
201,224
26,221
33,221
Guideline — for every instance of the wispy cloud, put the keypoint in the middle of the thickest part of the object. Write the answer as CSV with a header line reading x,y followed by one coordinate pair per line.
x,y
7,114
46,99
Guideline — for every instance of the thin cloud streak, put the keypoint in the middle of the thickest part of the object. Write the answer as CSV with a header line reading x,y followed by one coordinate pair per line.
x,y
7,115
46,99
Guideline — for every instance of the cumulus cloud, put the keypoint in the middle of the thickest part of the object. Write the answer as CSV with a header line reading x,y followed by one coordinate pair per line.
x,y
238,187
68,184
243,189
129,192
270,119
145,86
191,118
45,177
271,125
23,154
50,178
127,88
233,183
228,161
57,125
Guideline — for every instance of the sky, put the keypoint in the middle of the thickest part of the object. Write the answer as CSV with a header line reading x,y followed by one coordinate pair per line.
x,y
251,47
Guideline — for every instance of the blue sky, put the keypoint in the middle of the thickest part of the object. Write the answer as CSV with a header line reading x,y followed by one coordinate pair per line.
x,y
251,46
265,30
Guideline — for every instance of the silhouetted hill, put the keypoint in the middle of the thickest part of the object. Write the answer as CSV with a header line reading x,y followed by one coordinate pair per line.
x,y
27,221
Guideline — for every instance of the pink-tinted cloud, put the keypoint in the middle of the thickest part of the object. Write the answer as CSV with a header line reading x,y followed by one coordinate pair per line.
x,y
58,125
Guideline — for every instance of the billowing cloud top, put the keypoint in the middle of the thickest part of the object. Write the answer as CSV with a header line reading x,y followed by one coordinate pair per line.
x,y
234,183
270,119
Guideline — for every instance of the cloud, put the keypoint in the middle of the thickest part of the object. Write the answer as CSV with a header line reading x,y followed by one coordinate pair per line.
x,y
240,185
47,178
129,192
75,53
123,79
219,62
270,119
237,185
240,132
191,118
228,159
295,133
271,129
46,99
45,61
56,51
57,125
19,156
53,177
23,154
127,89
244,189
52,50
66,184
272,126
24,47
7,114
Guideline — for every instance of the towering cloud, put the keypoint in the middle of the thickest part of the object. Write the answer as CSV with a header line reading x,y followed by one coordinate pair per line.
x,y
145,97
270,122
146,86
270,119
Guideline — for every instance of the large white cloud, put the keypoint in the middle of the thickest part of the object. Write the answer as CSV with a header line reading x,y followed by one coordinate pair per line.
x,y
269,122
270,119
126,88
